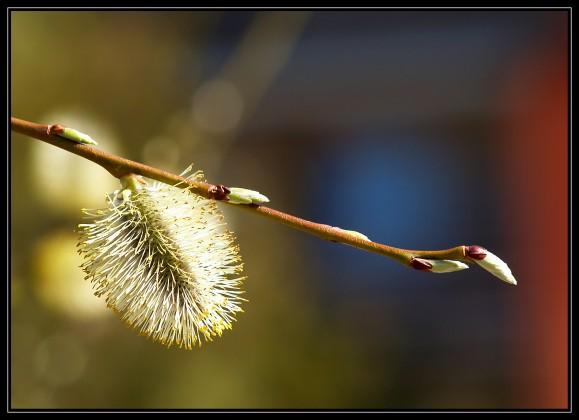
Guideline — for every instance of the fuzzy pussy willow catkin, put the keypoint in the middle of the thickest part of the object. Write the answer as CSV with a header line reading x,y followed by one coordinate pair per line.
x,y
164,261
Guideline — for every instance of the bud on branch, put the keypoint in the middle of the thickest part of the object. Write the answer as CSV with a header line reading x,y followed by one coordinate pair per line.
x,y
491,263
437,266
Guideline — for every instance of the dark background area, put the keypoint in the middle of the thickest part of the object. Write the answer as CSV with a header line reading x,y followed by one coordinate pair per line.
x,y
419,129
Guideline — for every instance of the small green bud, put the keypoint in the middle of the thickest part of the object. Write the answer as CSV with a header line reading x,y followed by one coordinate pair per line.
x,y
132,182
245,196
354,233
76,136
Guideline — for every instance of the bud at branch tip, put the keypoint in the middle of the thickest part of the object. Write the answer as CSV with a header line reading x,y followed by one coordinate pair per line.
x,y
491,263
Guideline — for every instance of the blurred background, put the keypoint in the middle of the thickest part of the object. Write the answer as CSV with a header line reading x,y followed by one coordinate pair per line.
x,y
419,129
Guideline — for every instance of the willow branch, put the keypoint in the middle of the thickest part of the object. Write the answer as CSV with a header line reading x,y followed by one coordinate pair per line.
x,y
119,167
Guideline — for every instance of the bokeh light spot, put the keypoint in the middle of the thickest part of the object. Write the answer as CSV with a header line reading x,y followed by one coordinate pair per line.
x,y
60,359
65,182
217,106
60,283
163,153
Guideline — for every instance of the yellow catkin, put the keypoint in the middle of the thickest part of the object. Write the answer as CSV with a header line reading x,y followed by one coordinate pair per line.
x,y
164,260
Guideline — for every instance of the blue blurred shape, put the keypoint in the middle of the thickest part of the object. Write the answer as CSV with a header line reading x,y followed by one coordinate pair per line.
x,y
403,191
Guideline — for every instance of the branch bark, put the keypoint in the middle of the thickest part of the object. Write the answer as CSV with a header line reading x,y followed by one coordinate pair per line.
x,y
119,167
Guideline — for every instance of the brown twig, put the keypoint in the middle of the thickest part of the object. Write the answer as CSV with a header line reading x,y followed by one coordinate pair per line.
x,y
120,167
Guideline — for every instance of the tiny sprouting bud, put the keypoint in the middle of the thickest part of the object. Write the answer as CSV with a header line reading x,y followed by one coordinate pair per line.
x,y
437,266
71,134
491,263
164,261
132,182
354,233
245,196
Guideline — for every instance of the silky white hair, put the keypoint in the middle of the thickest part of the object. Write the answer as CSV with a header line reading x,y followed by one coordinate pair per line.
x,y
164,260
